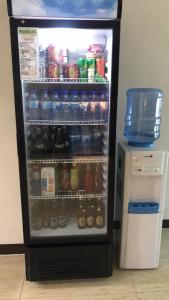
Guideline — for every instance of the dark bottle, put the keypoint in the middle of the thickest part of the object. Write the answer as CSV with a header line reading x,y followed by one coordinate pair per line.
x,y
100,213
66,139
88,179
45,141
54,214
65,178
81,217
91,212
31,139
39,143
36,220
59,141
98,181
36,180
63,213
46,213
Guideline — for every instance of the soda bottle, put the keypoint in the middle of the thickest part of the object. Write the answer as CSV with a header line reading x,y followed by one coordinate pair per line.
x,y
89,113
55,100
88,179
63,213
91,212
75,106
65,178
96,142
74,177
36,180
67,112
81,217
75,140
39,143
100,213
31,138
36,220
45,141
54,214
98,182
59,142
33,106
98,112
46,213
57,178
66,139
86,139
51,142
46,106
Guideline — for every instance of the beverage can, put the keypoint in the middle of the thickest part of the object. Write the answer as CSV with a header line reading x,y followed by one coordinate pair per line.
x,y
73,71
52,53
53,71
100,66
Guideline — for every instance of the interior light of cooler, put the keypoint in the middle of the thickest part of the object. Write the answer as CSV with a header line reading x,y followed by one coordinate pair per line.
x,y
70,38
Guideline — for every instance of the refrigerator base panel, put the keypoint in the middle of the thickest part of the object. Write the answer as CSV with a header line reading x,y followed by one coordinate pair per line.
x,y
68,262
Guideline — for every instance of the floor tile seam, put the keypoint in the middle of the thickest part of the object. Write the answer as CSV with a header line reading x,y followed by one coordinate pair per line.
x,y
20,297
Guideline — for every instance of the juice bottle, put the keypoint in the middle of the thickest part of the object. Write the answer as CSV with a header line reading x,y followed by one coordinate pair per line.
x,y
74,177
88,179
65,178
98,185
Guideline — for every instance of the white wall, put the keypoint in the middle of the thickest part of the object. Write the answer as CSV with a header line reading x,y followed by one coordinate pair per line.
x,y
144,59
10,210
144,62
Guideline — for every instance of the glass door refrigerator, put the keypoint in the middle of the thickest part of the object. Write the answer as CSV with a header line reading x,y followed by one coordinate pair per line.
x,y
65,71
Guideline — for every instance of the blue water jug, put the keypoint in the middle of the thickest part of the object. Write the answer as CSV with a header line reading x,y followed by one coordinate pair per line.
x,y
143,116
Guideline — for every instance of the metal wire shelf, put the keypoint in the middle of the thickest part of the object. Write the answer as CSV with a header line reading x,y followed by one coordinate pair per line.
x,y
67,81
70,195
70,123
69,160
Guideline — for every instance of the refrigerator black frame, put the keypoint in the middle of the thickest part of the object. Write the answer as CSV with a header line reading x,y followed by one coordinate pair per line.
x,y
113,25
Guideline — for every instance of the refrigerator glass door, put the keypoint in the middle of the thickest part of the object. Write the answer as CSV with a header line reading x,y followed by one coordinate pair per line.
x,y
80,9
66,83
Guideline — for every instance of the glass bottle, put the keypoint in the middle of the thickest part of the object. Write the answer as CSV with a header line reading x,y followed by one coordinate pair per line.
x,y
91,212
54,214
74,177
63,213
81,217
100,213
36,221
88,179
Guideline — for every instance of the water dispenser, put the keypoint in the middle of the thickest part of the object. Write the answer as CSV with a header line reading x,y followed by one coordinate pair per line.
x,y
141,181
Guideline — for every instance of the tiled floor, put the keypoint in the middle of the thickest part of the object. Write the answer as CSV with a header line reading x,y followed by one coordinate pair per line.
x,y
124,285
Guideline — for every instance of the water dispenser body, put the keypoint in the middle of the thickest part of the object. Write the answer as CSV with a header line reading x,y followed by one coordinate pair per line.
x,y
143,175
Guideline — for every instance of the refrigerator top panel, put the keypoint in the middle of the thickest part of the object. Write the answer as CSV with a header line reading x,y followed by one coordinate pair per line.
x,y
61,9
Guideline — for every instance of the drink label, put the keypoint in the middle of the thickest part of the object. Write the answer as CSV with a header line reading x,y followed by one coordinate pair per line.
x,y
99,221
90,221
82,222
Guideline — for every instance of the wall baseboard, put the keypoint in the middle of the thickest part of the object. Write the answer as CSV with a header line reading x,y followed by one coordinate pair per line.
x,y
12,249
165,223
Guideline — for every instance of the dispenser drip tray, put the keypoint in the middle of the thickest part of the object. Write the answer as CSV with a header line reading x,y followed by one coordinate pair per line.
x,y
143,208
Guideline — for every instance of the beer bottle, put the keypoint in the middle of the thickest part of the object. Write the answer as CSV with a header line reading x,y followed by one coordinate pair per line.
x,y
46,213
81,218
36,221
98,183
100,213
63,213
90,219
54,212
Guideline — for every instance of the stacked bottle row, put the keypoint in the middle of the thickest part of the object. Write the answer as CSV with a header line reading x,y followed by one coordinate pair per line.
x,y
57,213
48,181
56,141
64,105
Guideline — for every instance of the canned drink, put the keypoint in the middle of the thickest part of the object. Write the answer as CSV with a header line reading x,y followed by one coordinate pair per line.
x,y
73,71
52,54
82,64
53,71
100,66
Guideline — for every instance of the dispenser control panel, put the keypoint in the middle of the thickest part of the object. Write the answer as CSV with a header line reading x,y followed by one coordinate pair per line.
x,y
146,163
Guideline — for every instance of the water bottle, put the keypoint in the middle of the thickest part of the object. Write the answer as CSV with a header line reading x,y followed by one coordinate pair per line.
x,y
55,99
86,139
46,106
75,106
143,116
33,106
